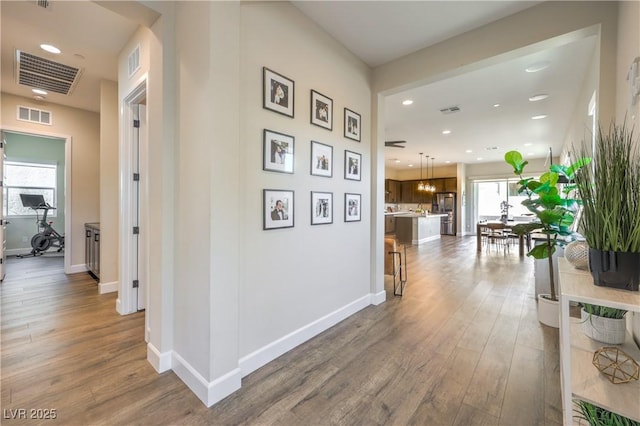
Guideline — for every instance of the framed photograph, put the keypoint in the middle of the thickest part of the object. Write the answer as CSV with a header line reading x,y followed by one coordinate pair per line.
x,y
321,110
352,207
321,159
277,152
351,125
321,208
278,92
352,165
277,208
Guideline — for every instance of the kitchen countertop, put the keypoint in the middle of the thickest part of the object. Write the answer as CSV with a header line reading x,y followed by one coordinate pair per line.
x,y
412,215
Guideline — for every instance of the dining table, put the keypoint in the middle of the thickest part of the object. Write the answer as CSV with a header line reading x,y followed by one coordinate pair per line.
x,y
497,224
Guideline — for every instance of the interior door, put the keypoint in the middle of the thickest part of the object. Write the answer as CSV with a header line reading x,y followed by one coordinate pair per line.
x,y
3,223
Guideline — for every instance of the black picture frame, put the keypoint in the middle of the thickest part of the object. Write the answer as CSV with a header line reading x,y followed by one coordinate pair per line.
x,y
321,159
321,110
274,217
352,207
352,165
278,92
278,152
352,125
321,208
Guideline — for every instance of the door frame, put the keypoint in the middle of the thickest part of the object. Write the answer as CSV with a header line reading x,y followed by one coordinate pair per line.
x,y
127,302
68,231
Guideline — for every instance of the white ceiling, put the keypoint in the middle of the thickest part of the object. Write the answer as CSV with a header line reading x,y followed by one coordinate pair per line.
x,y
76,27
377,32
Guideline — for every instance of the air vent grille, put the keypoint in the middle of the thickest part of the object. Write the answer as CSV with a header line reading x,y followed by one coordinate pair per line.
x,y
42,73
134,61
450,110
34,115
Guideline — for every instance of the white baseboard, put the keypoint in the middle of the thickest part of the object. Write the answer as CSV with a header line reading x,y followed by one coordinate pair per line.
x,y
208,392
119,307
378,298
76,269
108,287
427,239
15,252
160,361
273,350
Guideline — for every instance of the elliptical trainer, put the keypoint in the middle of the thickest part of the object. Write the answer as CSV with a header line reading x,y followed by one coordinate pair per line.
x,y
45,237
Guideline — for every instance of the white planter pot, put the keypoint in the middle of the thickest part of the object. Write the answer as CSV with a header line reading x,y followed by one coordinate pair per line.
x,y
548,311
605,330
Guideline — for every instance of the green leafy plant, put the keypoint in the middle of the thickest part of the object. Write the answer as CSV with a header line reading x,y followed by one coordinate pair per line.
x,y
604,311
554,209
597,416
609,192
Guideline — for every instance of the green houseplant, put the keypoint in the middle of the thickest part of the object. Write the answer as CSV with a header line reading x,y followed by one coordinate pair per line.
x,y
597,416
554,211
610,223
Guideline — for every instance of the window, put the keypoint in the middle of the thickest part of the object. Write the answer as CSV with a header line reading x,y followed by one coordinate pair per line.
x,y
28,178
491,194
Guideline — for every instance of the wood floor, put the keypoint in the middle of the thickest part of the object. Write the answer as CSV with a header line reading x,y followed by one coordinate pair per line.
x,y
461,347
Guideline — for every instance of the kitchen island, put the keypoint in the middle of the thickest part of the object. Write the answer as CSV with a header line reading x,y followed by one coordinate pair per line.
x,y
417,228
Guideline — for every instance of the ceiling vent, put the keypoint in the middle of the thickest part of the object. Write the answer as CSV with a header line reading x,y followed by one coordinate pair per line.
x,y
450,110
44,3
41,73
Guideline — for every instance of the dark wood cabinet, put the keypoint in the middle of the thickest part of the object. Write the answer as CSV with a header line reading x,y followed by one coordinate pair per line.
x,y
92,249
392,191
406,191
450,185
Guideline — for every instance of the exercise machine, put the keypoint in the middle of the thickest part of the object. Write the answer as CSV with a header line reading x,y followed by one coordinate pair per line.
x,y
45,237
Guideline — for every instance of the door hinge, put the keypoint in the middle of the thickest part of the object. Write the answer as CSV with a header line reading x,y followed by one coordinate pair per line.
x,y
136,230
1,144
136,124
1,260
136,177
135,283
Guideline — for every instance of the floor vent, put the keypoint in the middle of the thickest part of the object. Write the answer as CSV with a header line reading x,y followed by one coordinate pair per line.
x,y
42,73
450,110
33,115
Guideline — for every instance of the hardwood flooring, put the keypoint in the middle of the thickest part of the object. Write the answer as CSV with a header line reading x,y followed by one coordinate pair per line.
x,y
461,347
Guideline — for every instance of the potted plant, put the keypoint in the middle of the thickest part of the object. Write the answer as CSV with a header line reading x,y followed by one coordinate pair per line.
x,y
596,416
554,211
604,324
610,223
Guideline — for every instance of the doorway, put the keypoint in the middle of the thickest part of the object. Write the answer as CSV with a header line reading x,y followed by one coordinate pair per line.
x,y
37,164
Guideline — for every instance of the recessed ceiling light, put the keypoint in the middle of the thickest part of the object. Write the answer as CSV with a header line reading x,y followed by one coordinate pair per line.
x,y
528,144
530,153
538,117
536,98
38,98
538,66
479,158
410,165
496,105
397,161
39,91
447,161
469,151
446,132
50,48
407,102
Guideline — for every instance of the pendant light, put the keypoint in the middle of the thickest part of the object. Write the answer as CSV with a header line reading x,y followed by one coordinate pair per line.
x,y
429,187
433,187
421,184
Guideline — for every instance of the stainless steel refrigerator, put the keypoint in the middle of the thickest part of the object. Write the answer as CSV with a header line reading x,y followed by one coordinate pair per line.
x,y
445,203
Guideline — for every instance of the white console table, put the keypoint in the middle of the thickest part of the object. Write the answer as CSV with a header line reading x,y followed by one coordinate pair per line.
x,y
579,377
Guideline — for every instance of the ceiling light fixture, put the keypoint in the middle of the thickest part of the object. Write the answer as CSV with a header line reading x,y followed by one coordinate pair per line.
x,y
538,66
446,132
539,117
50,48
421,184
469,151
536,98
38,98
39,92
479,158
407,102
397,161
496,105
447,161
528,144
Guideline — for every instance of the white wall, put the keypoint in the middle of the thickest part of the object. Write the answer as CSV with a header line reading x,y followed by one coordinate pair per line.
x,y
293,277
628,50
109,184
84,129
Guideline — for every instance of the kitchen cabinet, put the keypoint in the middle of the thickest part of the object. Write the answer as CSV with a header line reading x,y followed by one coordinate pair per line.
x,y
580,379
450,185
392,189
389,224
92,249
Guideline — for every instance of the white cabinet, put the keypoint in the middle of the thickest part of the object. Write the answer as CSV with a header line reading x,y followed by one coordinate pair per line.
x,y
580,378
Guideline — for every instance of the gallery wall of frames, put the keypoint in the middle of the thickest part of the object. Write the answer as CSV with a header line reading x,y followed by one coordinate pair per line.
x,y
279,156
